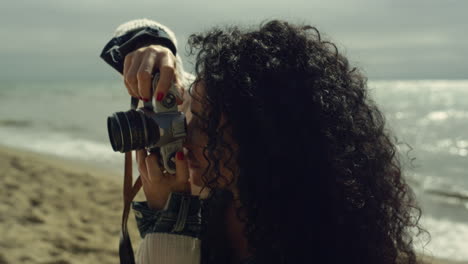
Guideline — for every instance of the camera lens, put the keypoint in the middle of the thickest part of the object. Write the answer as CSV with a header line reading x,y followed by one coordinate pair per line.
x,y
131,130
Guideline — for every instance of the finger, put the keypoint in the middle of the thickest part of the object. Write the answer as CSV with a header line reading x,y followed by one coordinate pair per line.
x,y
152,165
182,173
131,75
127,64
144,75
166,77
130,92
140,157
180,98
141,154
184,107
146,184
179,101
180,89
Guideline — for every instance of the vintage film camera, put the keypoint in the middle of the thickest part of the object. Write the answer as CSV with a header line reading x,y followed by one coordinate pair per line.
x,y
160,129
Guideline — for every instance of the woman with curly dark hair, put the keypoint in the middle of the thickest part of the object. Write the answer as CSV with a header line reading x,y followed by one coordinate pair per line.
x,y
293,157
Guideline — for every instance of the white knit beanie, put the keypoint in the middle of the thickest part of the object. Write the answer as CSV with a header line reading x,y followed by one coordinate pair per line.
x,y
185,78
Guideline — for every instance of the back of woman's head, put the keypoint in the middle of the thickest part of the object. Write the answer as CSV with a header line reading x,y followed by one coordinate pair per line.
x,y
317,170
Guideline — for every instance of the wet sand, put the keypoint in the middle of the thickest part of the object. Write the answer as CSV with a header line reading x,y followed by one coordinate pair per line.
x,y
57,211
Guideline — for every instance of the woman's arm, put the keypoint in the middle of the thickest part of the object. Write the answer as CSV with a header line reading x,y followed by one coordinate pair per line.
x,y
170,233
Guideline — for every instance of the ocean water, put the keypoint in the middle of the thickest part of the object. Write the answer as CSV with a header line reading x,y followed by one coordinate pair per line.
x,y
428,117
67,119
431,116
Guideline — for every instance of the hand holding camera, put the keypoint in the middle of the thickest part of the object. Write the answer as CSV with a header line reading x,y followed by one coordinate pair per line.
x,y
158,185
158,129
139,67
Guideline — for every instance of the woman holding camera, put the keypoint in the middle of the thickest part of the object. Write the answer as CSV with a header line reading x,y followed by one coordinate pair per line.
x,y
287,159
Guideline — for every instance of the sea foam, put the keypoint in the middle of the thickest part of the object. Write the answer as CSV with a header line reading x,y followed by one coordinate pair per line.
x,y
62,145
449,239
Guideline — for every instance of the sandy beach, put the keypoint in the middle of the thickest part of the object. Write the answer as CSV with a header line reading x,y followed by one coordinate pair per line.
x,y
58,211
54,211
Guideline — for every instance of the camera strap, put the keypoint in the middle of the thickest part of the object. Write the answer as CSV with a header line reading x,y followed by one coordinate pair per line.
x,y
129,192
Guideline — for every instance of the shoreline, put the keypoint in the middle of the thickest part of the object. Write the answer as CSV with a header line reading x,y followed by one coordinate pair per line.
x,y
76,165
64,211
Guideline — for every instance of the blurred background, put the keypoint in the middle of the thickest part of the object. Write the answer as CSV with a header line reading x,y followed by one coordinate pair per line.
x,y
56,93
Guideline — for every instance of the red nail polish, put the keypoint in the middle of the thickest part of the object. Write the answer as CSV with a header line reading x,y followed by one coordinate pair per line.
x,y
160,96
180,155
145,100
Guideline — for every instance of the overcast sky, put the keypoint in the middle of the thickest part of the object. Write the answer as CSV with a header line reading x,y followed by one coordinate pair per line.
x,y
388,39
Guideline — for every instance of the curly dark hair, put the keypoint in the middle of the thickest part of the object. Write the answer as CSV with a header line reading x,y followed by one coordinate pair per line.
x,y
318,171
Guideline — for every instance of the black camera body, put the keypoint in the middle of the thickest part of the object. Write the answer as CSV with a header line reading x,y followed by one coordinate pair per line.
x,y
160,128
